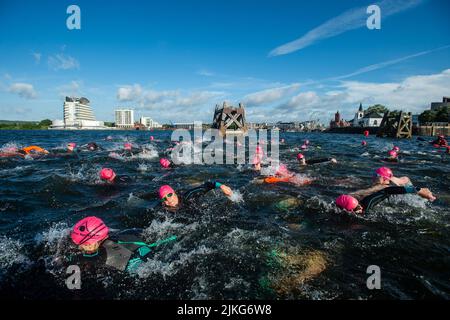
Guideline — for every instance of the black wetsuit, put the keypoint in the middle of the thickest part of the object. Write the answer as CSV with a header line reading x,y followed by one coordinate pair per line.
x,y
91,146
188,200
373,199
123,251
316,161
131,152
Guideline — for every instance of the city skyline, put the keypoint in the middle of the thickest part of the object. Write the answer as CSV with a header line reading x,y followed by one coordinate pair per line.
x,y
290,61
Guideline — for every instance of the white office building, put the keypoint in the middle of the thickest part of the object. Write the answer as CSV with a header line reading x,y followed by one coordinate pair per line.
x,y
125,118
149,123
77,115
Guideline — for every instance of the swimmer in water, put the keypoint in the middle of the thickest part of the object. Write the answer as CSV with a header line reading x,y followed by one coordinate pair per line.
x,y
122,251
166,163
33,151
440,141
303,162
392,156
108,176
382,178
257,159
128,150
91,146
171,201
365,204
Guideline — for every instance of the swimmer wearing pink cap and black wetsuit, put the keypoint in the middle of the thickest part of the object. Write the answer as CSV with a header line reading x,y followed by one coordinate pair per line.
x,y
303,162
350,203
108,176
173,202
123,251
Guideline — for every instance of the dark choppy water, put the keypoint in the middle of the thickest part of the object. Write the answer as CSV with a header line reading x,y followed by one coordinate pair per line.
x,y
280,241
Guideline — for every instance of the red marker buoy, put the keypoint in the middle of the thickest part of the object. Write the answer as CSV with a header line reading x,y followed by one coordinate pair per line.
x,y
366,133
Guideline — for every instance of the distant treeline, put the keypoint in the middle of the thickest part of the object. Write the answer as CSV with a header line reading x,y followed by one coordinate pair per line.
x,y
25,125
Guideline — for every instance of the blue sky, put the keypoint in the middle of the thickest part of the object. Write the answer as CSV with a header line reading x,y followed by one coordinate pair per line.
x,y
174,60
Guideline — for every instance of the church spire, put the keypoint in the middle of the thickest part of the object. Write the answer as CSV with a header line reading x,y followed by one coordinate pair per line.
x,y
360,107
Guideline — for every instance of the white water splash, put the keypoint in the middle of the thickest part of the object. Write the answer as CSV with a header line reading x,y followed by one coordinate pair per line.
x,y
236,196
11,253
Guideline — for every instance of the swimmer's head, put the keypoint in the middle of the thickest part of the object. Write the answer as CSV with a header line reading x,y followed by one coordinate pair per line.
x,y
165,163
88,233
300,156
127,146
392,154
71,146
396,149
92,146
348,203
364,143
383,175
168,196
441,137
303,147
107,174
151,138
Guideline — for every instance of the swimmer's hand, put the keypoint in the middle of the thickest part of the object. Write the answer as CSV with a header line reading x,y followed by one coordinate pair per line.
x,y
226,190
426,193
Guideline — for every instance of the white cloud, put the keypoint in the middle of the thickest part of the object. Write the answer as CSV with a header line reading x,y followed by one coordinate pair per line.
x,y
352,19
129,93
270,95
71,89
24,90
414,94
387,63
63,62
204,72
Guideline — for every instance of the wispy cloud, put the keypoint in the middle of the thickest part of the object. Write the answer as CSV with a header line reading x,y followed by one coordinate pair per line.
x,y
270,95
24,90
37,57
205,73
63,62
349,20
384,64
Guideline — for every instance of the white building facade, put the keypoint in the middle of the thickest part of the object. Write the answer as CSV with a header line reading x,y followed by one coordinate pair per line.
x,y
149,123
124,118
77,115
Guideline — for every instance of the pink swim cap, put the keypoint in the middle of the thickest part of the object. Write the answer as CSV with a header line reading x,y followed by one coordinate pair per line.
x,y
165,163
364,143
346,202
303,146
89,230
392,154
300,156
164,190
151,138
396,149
127,146
306,142
107,174
384,172
72,144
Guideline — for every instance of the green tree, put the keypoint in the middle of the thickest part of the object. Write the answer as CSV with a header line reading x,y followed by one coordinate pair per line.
x,y
45,123
378,108
442,115
427,116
